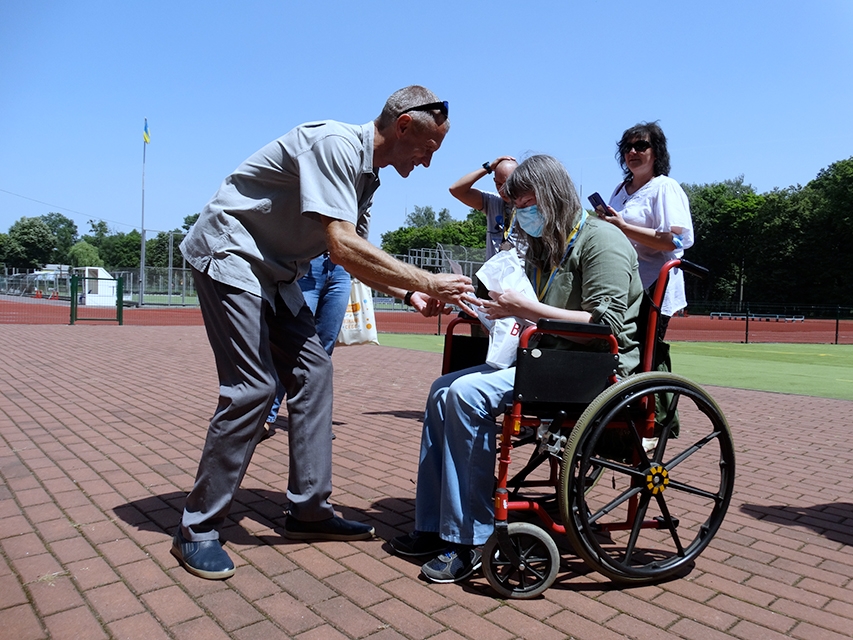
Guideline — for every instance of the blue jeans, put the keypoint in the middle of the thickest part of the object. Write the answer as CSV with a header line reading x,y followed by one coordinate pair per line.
x,y
456,473
326,289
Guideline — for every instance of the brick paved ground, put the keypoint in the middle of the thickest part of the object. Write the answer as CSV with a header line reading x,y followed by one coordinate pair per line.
x,y
100,433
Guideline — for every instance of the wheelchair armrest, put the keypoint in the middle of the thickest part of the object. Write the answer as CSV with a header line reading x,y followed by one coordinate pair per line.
x,y
462,351
546,325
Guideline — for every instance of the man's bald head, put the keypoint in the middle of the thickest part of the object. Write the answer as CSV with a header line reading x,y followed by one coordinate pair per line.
x,y
502,172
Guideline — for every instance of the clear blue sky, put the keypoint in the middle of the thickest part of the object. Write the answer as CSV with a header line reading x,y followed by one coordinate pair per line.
x,y
757,88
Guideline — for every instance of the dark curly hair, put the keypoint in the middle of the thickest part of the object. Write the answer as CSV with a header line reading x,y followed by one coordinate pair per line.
x,y
652,133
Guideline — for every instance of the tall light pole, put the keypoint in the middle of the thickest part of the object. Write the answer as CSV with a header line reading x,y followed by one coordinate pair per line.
x,y
146,138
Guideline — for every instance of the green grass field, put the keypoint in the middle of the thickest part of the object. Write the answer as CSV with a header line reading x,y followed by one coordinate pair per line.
x,y
821,370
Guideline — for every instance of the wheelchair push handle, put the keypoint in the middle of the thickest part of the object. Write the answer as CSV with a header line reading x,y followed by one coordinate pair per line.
x,y
657,289
694,269
680,263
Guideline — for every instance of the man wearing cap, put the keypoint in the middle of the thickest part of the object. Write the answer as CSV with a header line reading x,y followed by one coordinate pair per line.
x,y
304,193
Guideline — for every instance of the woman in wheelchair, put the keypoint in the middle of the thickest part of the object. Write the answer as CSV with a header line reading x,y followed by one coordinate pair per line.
x,y
583,270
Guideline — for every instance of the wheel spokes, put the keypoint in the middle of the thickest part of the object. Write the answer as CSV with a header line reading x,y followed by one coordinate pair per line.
x,y
530,561
644,525
670,523
613,504
677,460
695,491
642,507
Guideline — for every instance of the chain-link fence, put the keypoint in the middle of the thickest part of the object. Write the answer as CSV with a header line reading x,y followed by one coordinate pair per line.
x,y
44,283
44,297
164,286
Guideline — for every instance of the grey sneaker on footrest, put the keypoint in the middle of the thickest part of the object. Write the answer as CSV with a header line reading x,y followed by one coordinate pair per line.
x,y
453,565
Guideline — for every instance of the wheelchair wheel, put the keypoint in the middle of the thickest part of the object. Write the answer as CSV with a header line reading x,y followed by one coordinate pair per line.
x,y
540,561
654,512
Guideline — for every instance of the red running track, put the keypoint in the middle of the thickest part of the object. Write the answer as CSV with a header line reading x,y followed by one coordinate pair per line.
x,y
691,328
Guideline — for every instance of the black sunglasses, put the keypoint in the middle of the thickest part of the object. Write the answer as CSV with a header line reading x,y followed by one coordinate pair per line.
x,y
638,145
432,106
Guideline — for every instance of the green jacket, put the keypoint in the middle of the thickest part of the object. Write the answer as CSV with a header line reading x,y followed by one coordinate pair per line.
x,y
600,276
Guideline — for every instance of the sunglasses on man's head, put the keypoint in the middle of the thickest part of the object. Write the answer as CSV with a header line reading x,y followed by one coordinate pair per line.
x,y
638,145
432,106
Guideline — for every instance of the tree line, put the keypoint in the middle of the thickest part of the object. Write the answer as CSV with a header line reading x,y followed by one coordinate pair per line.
x,y
786,246
789,245
792,245
424,229
32,243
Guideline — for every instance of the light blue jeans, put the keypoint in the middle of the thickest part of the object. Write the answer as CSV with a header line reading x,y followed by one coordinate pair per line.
x,y
326,289
456,473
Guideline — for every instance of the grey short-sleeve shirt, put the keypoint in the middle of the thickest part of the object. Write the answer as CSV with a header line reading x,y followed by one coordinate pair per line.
x,y
499,213
261,228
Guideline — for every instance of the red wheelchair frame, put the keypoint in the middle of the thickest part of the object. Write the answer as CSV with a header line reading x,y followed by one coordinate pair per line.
x,y
670,499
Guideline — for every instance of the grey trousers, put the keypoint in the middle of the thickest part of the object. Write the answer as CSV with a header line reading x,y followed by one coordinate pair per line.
x,y
251,341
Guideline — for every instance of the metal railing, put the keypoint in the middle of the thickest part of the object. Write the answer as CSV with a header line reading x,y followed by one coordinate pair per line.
x,y
44,297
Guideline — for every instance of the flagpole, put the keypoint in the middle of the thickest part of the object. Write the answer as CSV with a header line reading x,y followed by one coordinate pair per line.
x,y
142,248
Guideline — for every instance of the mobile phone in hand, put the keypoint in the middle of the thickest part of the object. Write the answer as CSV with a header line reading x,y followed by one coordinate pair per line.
x,y
597,201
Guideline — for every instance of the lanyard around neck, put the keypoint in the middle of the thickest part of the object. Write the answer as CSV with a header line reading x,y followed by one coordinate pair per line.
x,y
570,242
508,227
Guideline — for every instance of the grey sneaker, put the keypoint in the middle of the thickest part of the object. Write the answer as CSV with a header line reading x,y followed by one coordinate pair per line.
x,y
453,565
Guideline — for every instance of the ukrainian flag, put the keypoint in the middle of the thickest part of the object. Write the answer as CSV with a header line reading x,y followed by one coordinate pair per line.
x,y
145,135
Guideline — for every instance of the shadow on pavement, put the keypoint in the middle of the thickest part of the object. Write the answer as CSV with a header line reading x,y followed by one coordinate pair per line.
x,y
405,414
162,514
833,521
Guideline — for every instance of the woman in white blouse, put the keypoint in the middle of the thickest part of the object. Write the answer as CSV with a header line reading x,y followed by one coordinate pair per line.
x,y
652,210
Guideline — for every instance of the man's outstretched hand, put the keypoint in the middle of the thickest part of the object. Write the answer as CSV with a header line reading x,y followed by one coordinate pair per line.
x,y
427,306
452,288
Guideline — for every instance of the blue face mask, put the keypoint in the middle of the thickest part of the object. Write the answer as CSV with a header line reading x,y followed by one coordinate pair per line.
x,y
531,220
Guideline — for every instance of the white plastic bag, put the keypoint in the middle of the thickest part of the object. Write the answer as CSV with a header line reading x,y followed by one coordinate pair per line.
x,y
359,326
500,273
503,343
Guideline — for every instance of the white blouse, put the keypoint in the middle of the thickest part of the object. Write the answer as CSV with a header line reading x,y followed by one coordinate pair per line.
x,y
662,205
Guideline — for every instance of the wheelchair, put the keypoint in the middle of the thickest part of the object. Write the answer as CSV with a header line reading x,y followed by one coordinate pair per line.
x,y
637,473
